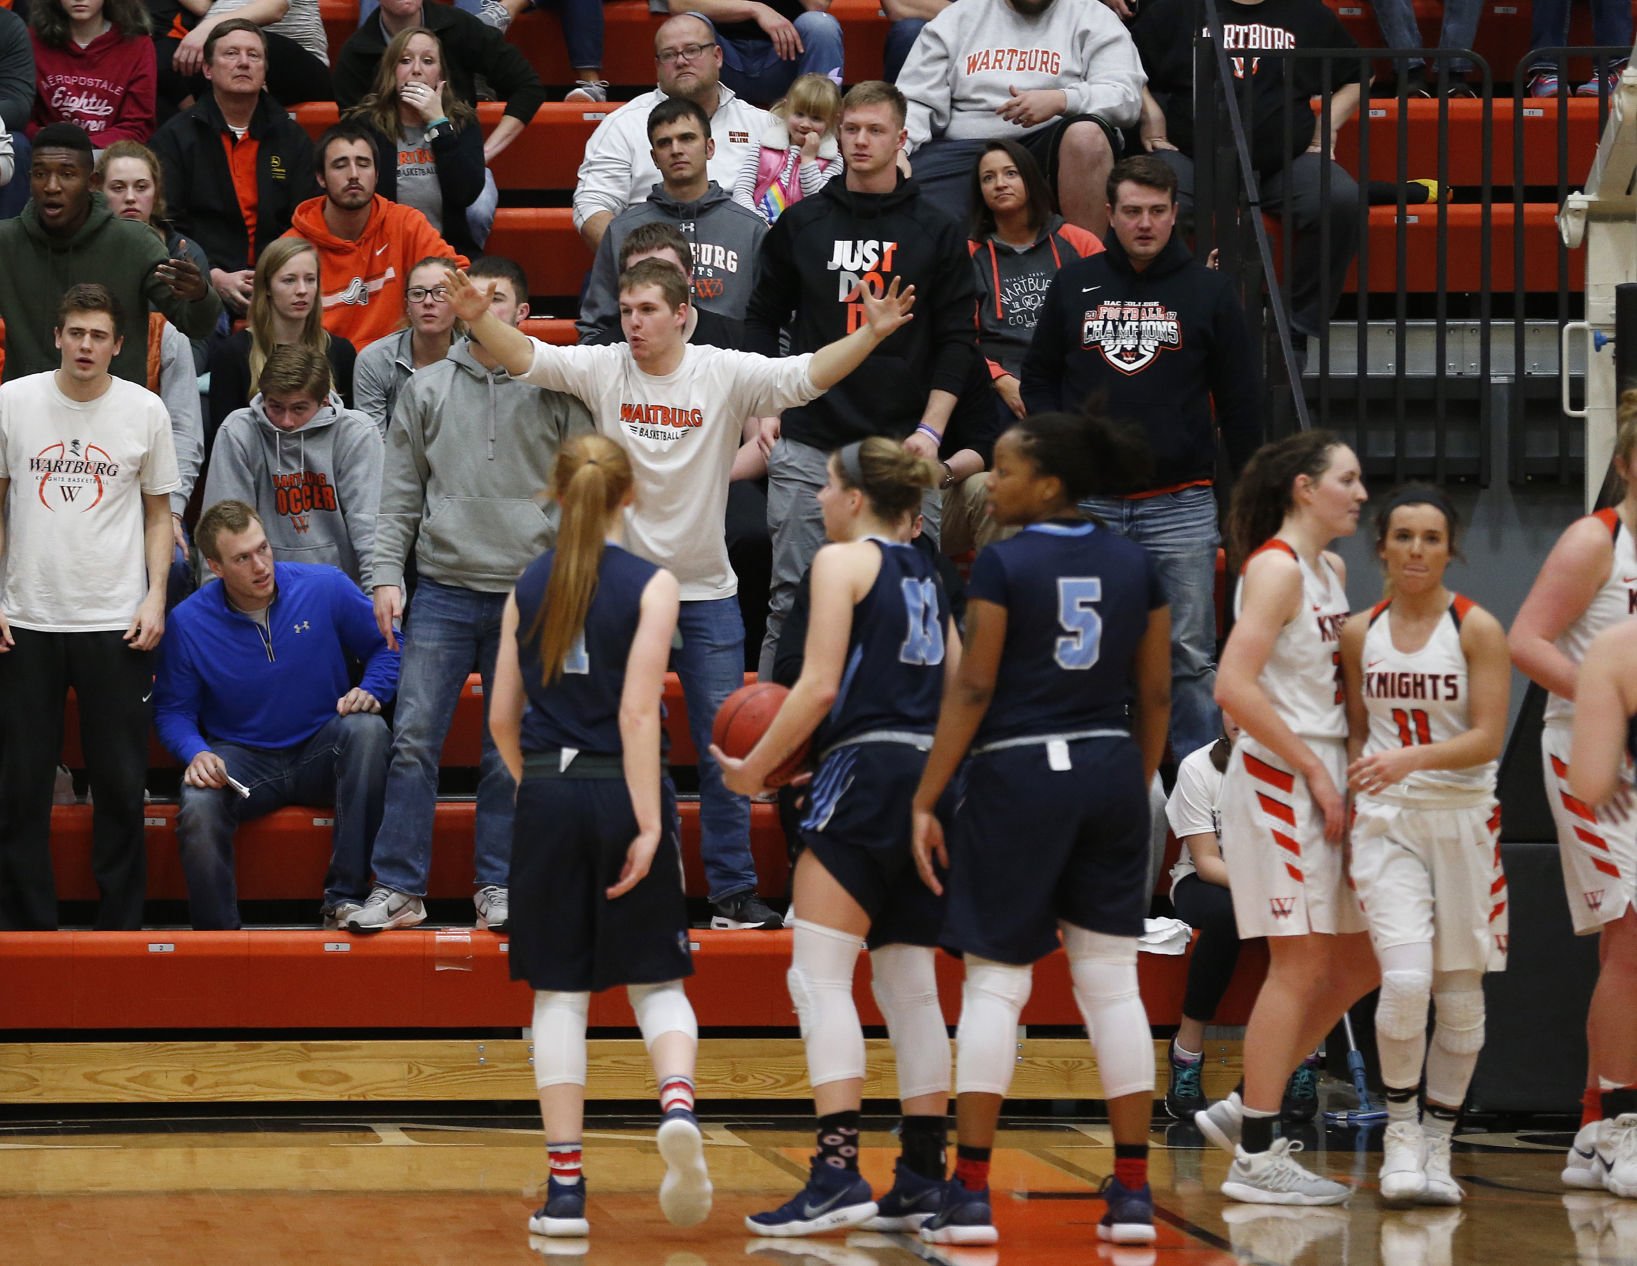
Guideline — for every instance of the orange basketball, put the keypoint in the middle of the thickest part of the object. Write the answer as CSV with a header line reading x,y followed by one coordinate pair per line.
x,y
742,720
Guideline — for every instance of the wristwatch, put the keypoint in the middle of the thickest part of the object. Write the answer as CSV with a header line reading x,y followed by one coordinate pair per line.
x,y
949,475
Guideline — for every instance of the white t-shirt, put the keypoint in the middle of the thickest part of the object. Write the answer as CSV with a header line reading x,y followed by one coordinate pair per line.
x,y
681,431
74,535
1195,806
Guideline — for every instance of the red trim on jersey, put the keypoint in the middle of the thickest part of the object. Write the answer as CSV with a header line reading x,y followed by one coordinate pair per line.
x,y
1270,774
1378,610
1458,607
1498,887
1560,768
1497,911
1495,820
1277,809
1608,868
1586,837
1272,543
1610,519
1293,872
1577,807
1285,842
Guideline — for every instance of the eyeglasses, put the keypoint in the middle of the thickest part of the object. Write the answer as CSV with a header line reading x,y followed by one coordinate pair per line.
x,y
419,294
687,53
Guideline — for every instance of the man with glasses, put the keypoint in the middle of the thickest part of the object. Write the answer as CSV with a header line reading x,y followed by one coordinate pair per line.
x,y
765,47
618,168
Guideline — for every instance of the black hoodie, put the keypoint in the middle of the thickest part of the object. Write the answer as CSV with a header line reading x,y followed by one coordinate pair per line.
x,y
1160,345
810,261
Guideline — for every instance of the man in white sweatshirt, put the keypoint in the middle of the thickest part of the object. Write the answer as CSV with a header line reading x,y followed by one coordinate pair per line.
x,y
618,168
1061,76
678,409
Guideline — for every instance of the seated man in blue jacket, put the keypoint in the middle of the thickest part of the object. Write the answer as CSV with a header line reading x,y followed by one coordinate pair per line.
x,y
254,692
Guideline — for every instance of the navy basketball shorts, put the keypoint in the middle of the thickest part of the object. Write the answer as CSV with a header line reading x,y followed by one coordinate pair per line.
x,y
569,840
1034,845
857,825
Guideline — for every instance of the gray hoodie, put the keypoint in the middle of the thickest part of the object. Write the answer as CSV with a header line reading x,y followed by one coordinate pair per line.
x,y
316,489
469,454
724,234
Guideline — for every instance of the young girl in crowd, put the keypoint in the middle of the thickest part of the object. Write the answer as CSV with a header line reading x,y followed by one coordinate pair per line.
x,y
596,871
879,641
1283,795
1588,584
1062,698
1427,683
94,66
798,155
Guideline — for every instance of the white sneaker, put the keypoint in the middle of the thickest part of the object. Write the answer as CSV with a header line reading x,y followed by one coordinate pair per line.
x,y
590,91
385,909
685,1192
1272,1177
1588,1158
1621,1178
493,907
334,918
495,14
1222,1122
1441,1187
1403,1160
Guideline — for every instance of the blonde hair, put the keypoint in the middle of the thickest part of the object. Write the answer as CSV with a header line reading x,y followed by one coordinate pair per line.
x,y
279,252
380,108
814,95
891,478
589,482
1625,448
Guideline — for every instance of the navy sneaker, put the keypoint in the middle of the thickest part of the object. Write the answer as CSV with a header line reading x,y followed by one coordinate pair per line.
x,y
1184,1097
563,1214
962,1217
912,1200
1301,1101
1129,1218
833,1200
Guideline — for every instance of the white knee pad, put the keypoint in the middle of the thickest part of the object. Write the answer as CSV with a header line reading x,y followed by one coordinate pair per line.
x,y
992,999
904,979
820,980
1457,1038
1104,971
662,1009
1401,1026
559,1038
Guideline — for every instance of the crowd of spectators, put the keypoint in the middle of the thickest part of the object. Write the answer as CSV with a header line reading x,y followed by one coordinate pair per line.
x,y
1031,151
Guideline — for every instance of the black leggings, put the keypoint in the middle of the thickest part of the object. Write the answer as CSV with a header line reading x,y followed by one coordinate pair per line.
x,y
1208,909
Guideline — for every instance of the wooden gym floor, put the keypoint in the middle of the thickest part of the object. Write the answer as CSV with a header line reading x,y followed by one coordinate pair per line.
x,y
435,1189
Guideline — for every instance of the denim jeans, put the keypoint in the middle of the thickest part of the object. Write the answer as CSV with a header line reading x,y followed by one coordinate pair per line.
x,y
1178,529
447,631
901,36
1611,24
1399,29
711,664
757,73
344,764
582,29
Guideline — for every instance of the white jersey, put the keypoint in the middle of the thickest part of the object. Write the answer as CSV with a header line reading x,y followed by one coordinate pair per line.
x,y
1614,602
1302,678
1195,805
1421,697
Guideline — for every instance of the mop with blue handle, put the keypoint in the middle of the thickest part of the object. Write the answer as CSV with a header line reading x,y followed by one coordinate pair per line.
x,y
1367,1112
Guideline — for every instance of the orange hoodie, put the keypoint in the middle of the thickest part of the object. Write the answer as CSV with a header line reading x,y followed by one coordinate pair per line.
x,y
363,281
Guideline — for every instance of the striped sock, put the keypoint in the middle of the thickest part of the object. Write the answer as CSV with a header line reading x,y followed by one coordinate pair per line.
x,y
972,1167
676,1093
1131,1165
565,1162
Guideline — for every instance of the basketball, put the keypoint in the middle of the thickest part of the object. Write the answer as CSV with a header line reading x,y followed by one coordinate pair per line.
x,y
742,720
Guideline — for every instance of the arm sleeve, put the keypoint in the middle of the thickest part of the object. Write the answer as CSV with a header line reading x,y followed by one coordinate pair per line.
x,y
354,616
771,384
459,156
370,379
773,297
431,243
1235,388
353,71
229,476
924,81
178,693
16,73
744,180
167,144
229,381
136,117
1042,381
506,69
1114,80
814,176
604,179
987,582
194,317
1189,811
179,389
404,472
954,328
359,478
570,369
599,317
159,473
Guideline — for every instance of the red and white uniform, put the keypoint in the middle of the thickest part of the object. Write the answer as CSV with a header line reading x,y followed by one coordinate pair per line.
x,y
1285,879
1599,853
1426,857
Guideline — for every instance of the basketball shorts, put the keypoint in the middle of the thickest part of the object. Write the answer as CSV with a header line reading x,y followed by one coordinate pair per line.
x,y
569,840
1048,833
1598,849
1428,872
1286,879
858,826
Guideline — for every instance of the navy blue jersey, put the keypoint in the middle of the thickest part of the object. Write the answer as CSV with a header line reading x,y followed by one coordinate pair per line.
x,y
581,709
1077,598
895,654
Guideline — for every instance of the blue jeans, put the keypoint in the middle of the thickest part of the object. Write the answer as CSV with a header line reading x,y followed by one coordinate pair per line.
x,y
582,29
14,194
1396,18
1611,24
757,73
344,764
901,37
711,663
1178,529
448,630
